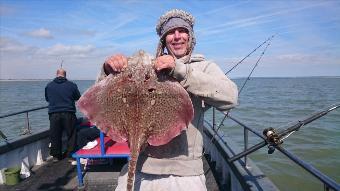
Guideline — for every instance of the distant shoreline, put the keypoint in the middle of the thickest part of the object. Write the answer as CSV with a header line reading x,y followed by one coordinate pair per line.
x,y
13,80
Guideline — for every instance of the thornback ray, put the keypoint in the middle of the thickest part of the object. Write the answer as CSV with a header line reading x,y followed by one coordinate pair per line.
x,y
139,106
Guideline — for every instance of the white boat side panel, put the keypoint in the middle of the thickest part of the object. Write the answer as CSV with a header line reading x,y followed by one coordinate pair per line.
x,y
26,156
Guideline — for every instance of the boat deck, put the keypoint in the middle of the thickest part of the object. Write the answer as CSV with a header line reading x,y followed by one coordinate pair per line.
x,y
49,176
62,176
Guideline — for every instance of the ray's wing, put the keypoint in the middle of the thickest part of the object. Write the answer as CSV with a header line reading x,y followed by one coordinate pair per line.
x,y
169,110
102,103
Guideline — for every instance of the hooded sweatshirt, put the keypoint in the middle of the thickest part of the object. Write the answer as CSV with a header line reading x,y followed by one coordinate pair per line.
x,y
207,86
61,95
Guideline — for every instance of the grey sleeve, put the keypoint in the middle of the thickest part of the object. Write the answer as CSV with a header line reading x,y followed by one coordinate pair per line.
x,y
207,81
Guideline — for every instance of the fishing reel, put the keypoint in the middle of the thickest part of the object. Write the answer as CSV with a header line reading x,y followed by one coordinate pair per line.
x,y
273,139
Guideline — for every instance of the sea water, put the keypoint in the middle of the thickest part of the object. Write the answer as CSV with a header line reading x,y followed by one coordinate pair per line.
x,y
263,103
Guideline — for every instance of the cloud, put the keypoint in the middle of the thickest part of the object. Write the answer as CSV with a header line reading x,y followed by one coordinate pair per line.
x,y
10,45
309,59
295,58
41,33
64,50
86,32
255,20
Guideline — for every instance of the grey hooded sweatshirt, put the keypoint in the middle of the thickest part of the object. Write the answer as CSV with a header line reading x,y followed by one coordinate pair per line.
x,y
207,86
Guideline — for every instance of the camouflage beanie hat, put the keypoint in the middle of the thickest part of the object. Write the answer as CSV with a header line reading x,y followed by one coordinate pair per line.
x,y
175,18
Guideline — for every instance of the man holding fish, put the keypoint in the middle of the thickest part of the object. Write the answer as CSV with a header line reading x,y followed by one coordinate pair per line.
x,y
178,164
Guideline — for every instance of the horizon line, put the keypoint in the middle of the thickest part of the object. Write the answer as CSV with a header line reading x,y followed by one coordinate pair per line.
x,y
45,79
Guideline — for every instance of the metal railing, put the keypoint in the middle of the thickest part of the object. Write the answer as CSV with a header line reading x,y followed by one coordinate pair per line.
x,y
274,141
27,128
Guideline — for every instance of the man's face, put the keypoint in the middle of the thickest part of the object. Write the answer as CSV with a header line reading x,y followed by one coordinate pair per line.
x,y
177,42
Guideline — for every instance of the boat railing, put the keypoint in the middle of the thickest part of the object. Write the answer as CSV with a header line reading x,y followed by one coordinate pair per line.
x,y
329,184
27,127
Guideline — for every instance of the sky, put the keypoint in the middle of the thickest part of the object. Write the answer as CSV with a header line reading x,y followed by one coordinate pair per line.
x,y
37,36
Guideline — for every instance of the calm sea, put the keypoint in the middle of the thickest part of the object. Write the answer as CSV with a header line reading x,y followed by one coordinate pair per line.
x,y
264,102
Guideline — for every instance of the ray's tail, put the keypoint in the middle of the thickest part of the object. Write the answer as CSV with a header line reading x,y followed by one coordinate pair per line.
x,y
135,148
131,171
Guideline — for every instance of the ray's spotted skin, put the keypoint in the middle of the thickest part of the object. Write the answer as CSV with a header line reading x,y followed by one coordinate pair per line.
x,y
139,106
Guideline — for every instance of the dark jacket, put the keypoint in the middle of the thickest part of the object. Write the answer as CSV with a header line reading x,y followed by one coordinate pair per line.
x,y
61,95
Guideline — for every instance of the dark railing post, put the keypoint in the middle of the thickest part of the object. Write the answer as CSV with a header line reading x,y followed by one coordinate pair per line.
x,y
214,120
329,183
325,187
245,136
27,129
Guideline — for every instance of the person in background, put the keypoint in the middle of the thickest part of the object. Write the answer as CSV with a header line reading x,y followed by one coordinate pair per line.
x,y
61,95
86,132
178,164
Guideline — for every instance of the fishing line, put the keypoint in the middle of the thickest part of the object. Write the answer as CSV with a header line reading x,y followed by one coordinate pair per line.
x,y
257,62
274,139
247,79
283,138
61,64
268,41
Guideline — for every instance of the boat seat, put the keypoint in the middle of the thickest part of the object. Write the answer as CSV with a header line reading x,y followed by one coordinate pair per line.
x,y
106,148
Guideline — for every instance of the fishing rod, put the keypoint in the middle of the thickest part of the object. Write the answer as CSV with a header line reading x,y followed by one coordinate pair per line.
x,y
251,72
273,139
239,62
244,83
328,182
61,64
